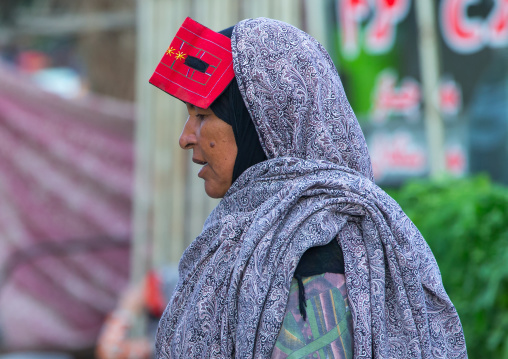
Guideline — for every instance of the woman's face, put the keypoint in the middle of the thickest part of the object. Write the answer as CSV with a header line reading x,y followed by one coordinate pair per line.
x,y
213,146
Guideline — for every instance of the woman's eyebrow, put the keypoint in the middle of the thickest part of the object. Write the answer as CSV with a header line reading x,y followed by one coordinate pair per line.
x,y
195,108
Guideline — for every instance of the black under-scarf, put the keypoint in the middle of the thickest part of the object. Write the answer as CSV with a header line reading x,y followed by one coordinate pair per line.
x,y
230,108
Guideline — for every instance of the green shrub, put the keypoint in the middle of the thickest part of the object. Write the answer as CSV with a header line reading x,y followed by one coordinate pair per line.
x,y
465,222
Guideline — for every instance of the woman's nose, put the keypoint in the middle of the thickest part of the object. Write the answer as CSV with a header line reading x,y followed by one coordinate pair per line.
x,y
188,136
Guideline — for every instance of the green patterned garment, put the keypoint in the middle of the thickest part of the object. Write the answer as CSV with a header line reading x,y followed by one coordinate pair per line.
x,y
328,330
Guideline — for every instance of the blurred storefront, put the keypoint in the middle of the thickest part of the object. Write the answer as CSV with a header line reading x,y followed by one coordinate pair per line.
x,y
376,48
89,180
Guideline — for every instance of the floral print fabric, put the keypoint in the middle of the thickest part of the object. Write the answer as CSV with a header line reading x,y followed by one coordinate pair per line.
x,y
315,187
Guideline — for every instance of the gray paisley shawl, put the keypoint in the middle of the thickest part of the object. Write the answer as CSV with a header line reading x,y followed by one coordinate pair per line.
x,y
316,187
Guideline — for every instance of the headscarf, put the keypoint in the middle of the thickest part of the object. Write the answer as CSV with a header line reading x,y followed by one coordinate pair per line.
x,y
315,187
230,108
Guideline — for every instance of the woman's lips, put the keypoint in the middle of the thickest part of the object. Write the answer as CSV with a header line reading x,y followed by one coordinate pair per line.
x,y
200,173
203,163
199,162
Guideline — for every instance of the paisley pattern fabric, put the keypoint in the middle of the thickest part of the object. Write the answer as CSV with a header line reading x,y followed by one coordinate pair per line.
x,y
315,187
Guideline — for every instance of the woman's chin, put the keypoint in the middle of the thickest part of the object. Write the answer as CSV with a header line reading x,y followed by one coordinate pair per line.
x,y
215,191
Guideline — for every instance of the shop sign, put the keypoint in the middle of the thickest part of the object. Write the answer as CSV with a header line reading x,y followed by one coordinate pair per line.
x,y
465,34
400,152
373,25
405,99
380,32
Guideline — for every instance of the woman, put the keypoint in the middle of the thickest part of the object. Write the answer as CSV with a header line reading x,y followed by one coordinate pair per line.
x,y
291,165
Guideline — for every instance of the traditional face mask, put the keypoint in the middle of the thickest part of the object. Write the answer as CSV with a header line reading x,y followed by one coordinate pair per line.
x,y
197,66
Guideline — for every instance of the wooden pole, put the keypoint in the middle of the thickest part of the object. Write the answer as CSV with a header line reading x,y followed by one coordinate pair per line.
x,y
142,202
315,16
429,73
169,169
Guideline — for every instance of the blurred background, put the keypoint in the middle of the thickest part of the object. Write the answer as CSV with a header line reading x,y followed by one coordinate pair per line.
x,y
96,195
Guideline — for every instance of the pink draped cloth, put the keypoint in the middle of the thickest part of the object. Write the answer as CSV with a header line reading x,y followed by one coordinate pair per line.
x,y
66,170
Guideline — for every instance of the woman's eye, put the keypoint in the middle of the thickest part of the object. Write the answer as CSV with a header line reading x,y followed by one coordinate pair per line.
x,y
200,117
